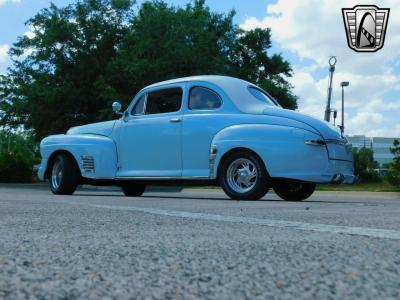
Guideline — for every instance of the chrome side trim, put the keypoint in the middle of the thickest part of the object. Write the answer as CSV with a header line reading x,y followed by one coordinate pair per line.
x,y
160,177
88,164
333,141
213,155
315,142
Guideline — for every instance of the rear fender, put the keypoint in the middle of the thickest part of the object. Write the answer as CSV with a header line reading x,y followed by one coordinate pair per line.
x,y
282,148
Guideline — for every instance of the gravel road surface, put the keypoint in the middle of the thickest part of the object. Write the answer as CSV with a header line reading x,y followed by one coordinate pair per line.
x,y
197,244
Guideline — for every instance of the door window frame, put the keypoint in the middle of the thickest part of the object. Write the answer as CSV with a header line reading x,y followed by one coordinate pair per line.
x,y
135,102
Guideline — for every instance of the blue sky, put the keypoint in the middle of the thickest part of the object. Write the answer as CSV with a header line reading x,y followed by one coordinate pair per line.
x,y
306,32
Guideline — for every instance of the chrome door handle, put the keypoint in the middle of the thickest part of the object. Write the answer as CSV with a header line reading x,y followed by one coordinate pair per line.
x,y
175,120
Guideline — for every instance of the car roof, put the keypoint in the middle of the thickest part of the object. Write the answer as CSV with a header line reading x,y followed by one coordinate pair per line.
x,y
236,89
223,81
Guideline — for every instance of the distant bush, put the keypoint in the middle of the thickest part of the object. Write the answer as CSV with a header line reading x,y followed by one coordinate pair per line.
x,y
393,176
15,167
18,155
365,165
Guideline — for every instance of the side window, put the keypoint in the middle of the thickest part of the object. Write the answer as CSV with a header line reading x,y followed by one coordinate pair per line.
x,y
139,107
204,98
164,101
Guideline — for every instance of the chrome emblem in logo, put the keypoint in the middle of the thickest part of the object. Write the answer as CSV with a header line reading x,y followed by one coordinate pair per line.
x,y
365,27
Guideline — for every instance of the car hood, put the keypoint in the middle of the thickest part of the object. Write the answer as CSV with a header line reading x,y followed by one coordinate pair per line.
x,y
101,128
327,130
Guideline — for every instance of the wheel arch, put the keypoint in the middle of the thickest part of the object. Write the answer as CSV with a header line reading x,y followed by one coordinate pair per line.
x,y
53,156
234,150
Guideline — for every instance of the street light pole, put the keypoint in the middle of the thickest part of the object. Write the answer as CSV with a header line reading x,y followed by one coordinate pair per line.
x,y
343,84
332,63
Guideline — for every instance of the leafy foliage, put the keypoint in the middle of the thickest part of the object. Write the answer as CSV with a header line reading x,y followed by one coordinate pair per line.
x,y
393,176
18,154
84,56
365,165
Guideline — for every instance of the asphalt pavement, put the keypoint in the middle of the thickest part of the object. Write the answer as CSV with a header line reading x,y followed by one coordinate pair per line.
x,y
197,244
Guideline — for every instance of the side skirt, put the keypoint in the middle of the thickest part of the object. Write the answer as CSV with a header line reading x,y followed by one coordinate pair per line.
x,y
159,182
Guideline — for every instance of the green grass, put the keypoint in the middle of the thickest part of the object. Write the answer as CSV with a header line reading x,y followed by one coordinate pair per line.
x,y
360,187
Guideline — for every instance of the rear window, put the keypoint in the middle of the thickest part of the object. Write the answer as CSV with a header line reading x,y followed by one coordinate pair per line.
x,y
203,98
261,96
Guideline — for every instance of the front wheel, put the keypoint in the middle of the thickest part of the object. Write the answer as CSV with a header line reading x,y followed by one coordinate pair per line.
x,y
291,190
243,176
64,176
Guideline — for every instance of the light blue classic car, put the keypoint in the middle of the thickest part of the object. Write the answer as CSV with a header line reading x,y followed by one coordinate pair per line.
x,y
204,130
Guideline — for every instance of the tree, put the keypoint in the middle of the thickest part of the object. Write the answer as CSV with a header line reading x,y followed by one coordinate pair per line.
x,y
18,155
84,56
393,175
365,165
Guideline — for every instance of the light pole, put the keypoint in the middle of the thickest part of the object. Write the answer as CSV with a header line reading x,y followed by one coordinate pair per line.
x,y
332,63
343,84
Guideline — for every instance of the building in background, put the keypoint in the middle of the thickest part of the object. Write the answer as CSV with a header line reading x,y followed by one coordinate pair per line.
x,y
379,145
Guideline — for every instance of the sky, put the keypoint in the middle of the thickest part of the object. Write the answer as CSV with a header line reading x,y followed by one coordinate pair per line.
x,y
306,33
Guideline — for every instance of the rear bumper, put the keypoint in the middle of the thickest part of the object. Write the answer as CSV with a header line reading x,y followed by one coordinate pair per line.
x,y
332,171
337,171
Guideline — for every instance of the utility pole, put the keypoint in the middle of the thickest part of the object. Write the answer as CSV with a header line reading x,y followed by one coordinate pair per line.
x,y
332,63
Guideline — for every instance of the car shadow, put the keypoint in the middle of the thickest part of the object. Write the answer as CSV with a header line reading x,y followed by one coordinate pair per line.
x,y
214,198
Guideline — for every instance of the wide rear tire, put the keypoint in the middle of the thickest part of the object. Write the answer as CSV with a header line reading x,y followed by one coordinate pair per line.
x,y
292,190
64,175
242,176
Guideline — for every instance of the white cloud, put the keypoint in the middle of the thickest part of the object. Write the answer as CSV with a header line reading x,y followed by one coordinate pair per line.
x,y
4,53
30,34
5,1
313,30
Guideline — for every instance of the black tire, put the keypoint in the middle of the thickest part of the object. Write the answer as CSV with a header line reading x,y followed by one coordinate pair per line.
x,y
262,182
292,190
68,175
133,189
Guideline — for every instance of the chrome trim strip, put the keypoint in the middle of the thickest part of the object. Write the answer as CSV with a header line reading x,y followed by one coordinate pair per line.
x,y
160,177
333,141
213,155
315,142
87,162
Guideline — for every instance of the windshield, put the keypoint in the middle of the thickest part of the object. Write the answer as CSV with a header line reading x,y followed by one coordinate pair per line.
x,y
261,96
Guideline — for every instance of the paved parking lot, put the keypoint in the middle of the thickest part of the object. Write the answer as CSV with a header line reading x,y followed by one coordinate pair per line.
x,y
197,244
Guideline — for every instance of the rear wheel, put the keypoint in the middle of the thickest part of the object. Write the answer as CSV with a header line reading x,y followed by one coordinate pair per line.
x,y
133,189
64,175
292,190
243,176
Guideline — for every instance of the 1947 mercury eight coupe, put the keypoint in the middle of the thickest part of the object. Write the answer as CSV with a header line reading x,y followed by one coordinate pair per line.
x,y
201,129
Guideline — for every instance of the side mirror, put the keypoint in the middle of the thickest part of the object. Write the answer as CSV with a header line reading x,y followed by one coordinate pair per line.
x,y
116,106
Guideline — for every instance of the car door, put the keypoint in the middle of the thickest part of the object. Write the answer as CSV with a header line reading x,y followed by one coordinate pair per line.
x,y
150,135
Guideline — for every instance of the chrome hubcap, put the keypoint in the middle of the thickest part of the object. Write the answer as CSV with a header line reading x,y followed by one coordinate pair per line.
x,y
56,174
242,175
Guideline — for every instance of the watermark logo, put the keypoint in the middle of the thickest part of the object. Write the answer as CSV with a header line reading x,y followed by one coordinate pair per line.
x,y
365,27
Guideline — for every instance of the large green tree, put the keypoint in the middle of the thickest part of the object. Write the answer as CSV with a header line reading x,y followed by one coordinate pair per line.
x,y
85,55
393,175
365,165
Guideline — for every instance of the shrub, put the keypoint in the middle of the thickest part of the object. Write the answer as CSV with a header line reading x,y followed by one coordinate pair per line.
x,y
15,167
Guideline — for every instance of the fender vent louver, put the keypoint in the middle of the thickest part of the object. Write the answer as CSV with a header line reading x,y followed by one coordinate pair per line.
x,y
87,163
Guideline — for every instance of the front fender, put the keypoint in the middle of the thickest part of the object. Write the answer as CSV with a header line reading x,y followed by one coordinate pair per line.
x,y
282,148
83,147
